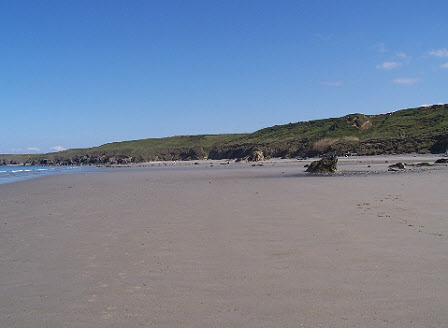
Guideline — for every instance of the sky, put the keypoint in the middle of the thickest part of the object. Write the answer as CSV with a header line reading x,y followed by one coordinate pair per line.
x,y
77,74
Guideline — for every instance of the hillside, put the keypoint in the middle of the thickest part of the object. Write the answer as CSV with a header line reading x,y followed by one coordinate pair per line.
x,y
135,151
422,130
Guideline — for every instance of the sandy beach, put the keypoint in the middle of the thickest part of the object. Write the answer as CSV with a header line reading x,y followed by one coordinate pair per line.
x,y
227,246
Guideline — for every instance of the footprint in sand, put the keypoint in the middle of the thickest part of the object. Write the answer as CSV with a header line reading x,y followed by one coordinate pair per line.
x,y
109,312
92,299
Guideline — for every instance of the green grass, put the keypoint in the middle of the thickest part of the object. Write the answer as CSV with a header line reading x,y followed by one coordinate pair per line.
x,y
149,147
143,149
415,122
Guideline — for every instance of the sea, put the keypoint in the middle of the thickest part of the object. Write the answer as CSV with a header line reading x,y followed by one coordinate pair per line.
x,y
10,174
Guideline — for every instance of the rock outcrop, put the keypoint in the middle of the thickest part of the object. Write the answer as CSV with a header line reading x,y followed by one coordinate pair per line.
x,y
325,165
441,144
256,156
397,167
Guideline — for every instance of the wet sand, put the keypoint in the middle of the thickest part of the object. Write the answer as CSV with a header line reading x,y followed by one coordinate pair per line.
x,y
227,246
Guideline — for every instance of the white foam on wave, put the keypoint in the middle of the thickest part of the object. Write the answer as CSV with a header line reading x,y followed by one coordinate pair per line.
x,y
11,174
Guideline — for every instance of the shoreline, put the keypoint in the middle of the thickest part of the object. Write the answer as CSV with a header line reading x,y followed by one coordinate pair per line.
x,y
346,165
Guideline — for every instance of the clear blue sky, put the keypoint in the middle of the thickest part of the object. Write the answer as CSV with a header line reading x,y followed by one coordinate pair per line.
x,y
83,73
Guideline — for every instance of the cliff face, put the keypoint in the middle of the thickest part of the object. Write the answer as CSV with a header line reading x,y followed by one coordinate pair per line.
x,y
173,154
339,147
286,149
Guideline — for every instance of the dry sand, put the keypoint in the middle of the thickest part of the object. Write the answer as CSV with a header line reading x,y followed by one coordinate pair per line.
x,y
227,246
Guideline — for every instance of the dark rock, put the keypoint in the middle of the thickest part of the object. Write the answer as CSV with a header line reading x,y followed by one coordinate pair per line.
x,y
397,166
194,153
325,165
423,164
441,144
442,161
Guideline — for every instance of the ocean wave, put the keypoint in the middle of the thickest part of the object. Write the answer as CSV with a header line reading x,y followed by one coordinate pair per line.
x,y
20,173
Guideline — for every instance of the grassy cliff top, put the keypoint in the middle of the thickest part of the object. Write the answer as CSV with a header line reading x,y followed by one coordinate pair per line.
x,y
151,146
414,122
144,149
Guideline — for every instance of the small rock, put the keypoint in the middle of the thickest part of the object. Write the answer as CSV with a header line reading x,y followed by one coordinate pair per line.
x,y
423,164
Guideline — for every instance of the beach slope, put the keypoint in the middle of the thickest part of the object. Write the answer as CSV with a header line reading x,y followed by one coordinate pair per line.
x,y
225,247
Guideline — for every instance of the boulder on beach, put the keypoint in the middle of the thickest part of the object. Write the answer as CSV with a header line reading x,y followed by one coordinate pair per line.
x,y
325,165
442,161
423,164
397,166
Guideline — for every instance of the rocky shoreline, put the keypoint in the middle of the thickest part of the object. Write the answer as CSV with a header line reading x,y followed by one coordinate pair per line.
x,y
248,152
